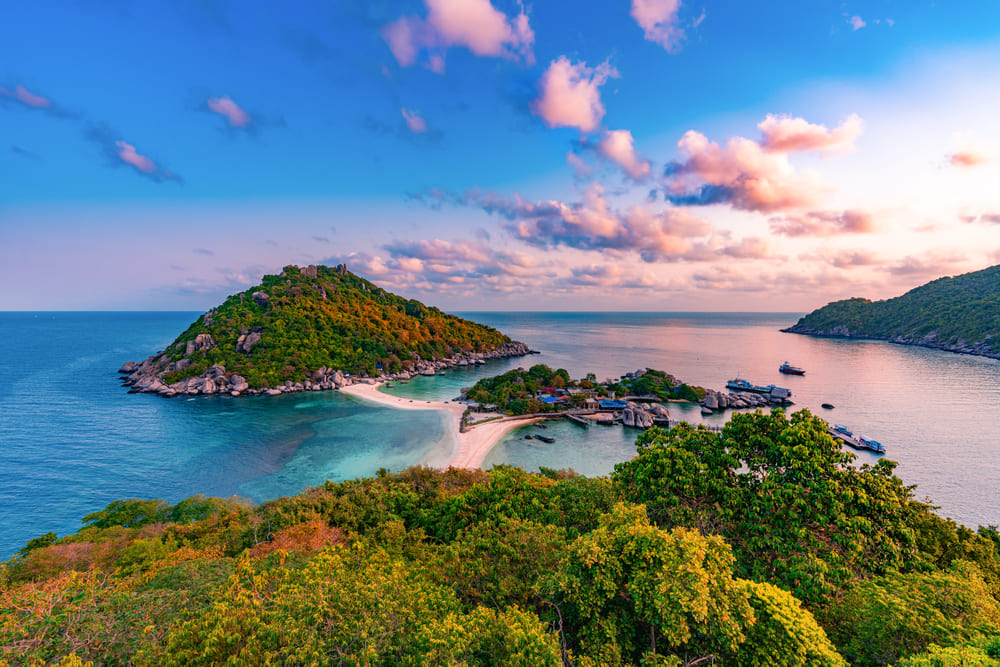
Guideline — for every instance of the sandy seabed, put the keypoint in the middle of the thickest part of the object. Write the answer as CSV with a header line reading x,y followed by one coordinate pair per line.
x,y
472,446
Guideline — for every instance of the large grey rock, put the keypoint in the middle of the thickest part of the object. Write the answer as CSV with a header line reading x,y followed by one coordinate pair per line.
x,y
711,402
273,392
201,342
261,298
245,343
238,383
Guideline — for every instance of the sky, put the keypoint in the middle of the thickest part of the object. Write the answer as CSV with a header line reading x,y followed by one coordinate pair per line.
x,y
641,155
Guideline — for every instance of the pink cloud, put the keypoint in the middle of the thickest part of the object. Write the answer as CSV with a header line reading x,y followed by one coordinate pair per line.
x,y
26,97
658,20
967,158
742,174
475,24
784,134
569,94
823,223
414,122
226,107
127,154
580,168
857,23
592,224
617,146
846,259
931,264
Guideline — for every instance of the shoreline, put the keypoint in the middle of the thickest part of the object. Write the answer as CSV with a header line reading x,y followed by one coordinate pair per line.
x,y
471,447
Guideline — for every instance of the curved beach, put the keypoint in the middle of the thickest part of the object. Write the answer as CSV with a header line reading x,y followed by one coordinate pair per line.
x,y
472,446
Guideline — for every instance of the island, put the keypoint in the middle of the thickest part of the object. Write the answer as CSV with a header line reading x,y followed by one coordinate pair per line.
x,y
956,314
310,329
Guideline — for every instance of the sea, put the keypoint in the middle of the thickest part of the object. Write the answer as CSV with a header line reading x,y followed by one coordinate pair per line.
x,y
72,439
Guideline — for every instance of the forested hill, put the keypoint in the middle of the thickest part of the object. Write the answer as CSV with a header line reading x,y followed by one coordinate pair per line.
x,y
303,325
960,314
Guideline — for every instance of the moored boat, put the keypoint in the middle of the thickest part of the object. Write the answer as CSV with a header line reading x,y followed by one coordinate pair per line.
x,y
873,445
827,406
788,369
840,428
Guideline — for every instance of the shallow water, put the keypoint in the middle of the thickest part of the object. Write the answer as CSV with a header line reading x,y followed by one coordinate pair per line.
x,y
72,439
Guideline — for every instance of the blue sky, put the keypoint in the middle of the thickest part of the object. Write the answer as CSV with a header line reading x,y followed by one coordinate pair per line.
x,y
643,155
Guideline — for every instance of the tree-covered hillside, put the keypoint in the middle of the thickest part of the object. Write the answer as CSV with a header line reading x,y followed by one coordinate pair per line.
x,y
760,545
317,317
960,313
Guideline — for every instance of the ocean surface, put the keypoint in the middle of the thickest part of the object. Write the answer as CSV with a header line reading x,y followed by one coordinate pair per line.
x,y
72,439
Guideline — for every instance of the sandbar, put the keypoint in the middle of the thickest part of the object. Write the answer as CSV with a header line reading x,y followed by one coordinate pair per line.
x,y
471,447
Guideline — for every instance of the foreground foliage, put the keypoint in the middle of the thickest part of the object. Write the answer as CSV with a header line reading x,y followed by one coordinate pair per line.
x,y
761,545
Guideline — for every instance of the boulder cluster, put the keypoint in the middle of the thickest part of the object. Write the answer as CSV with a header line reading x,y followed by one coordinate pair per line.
x,y
148,376
638,415
735,400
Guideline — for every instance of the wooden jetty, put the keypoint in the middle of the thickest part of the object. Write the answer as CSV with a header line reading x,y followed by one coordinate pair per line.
x,y
576,419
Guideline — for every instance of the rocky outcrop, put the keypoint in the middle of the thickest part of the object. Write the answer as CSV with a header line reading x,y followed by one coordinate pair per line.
x,y
148,376
246,341
734,400
201,343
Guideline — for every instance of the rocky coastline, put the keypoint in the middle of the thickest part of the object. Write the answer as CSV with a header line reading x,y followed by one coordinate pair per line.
x,y
983,348
146,377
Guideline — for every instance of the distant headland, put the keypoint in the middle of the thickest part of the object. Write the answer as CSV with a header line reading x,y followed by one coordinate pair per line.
x,y
955,314
310,329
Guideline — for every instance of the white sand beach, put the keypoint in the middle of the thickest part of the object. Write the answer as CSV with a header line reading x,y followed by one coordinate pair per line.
x,y
473,445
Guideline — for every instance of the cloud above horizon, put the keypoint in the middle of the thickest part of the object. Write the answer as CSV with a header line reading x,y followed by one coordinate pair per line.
x,y
569,94
823,223
230,110
414,121
787,134
122,153
618,146
474,24
756,175
592,224
659,22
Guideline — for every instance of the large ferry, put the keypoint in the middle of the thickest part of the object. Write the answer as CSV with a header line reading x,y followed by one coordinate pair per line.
x,y
788,369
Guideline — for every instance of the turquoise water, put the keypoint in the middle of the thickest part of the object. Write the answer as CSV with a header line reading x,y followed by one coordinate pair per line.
x,y
72,439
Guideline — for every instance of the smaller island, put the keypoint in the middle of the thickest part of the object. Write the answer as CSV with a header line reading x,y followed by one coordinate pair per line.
x,y
956,314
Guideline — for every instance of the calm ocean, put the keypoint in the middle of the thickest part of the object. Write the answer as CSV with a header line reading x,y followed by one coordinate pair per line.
x,y
72,439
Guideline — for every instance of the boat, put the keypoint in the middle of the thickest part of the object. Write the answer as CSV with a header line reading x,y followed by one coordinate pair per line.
x,y
873,445
827,406
776,392
840,428
739,384
788,369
